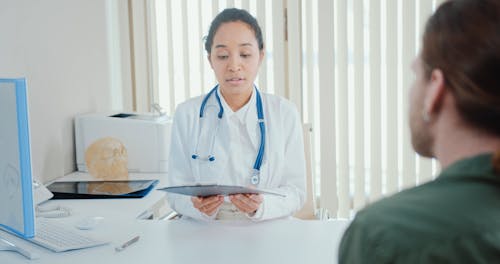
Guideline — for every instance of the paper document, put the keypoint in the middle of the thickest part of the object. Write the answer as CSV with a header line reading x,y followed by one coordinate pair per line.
x,y
214,189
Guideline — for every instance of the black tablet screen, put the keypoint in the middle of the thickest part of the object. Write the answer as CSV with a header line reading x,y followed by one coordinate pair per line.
x,y
101,188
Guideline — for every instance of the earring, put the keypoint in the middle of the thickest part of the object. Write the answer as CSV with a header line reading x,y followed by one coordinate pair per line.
x,y
425,116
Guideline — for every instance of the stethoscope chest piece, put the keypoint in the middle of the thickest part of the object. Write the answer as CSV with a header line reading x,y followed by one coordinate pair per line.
x,y
255,179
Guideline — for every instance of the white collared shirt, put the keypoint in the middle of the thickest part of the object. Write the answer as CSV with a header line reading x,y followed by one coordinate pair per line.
x,y
242,145
235,149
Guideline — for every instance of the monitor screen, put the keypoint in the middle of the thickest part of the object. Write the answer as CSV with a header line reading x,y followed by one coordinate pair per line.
x,y
16,191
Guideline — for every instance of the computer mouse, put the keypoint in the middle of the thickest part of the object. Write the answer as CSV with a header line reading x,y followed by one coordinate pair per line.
x,y
88,223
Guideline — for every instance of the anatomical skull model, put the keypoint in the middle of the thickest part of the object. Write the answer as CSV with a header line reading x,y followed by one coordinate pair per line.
x,y
107,160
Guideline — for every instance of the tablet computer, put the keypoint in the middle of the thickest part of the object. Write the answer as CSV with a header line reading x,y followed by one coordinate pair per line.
x,y
215,189
101,189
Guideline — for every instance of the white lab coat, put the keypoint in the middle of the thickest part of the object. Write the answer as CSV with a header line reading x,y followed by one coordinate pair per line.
x,y
283,166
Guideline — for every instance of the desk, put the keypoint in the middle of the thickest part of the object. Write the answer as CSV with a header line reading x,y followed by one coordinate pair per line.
x,y
188,241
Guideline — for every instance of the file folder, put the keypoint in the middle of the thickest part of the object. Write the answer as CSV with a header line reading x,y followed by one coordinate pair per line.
x,y
215,189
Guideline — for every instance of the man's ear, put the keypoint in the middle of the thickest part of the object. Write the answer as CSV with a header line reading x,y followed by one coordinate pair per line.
x,y
435,93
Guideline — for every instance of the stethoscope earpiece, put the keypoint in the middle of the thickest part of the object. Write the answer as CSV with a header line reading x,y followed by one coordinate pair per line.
x,y
210,158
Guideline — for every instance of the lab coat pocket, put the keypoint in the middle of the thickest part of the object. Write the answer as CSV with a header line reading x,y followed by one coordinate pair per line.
x,y
272,170
265,174
210,172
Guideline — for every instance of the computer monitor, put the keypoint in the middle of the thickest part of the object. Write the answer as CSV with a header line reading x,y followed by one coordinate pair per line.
x,y
16,188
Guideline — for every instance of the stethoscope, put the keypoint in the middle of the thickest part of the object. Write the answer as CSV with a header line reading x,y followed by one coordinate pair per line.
x,y
255,178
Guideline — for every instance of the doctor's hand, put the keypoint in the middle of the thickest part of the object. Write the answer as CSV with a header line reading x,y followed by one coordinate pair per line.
x,y
247,203
207,205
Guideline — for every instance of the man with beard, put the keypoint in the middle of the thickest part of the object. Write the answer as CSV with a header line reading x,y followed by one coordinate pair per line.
x,y
455,118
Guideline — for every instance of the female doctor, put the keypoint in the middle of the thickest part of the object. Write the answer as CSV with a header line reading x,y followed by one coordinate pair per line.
x,y
237,135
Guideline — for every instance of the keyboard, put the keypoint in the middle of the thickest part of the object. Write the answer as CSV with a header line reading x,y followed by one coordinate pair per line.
x,y
59,237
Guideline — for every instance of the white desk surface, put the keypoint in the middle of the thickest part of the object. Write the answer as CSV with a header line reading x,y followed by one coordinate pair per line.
x,y
187,241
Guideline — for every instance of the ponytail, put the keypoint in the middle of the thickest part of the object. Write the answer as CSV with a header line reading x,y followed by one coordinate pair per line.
x,y
496,162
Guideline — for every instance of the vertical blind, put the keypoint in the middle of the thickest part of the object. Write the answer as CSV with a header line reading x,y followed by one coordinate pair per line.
x,y
344,63
364,50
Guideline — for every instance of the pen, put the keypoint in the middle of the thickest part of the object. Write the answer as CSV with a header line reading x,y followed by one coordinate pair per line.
x,y
126,244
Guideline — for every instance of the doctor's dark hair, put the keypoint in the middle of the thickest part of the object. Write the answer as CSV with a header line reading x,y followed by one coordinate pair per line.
x,y
462,39
233,15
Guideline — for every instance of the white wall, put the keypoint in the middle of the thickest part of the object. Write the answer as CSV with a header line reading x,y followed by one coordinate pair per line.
x,y
63,48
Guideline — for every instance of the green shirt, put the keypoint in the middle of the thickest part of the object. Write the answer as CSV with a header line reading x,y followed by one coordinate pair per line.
x,y
453,219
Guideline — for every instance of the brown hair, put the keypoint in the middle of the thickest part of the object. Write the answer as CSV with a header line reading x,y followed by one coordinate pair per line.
x,y
462,39
232,15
